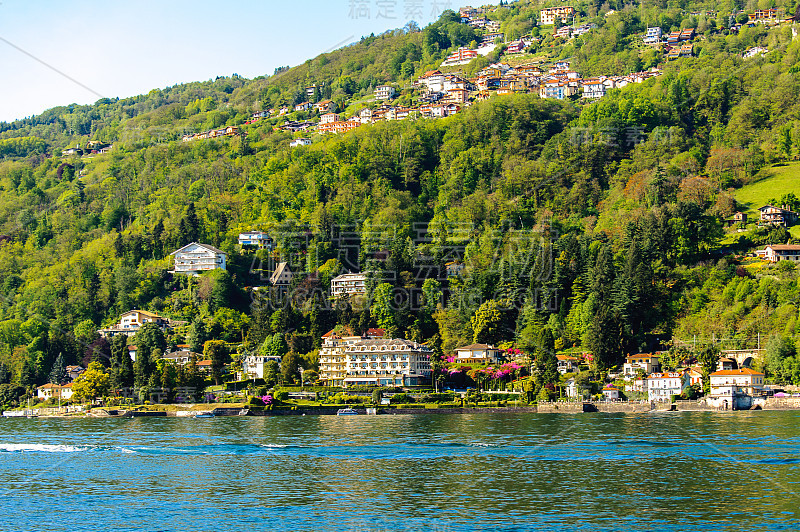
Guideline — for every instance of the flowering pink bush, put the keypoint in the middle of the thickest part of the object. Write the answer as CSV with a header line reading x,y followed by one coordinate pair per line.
x,y
267,399
451,359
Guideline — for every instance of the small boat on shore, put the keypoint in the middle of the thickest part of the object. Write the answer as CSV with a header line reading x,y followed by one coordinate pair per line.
x,y
346,412
204,415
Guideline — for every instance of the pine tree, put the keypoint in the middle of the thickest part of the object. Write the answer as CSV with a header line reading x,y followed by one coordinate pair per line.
x,y
192,224
158,243
58,375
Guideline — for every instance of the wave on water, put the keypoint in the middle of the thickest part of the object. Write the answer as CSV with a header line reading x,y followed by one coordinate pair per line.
x,y
40,448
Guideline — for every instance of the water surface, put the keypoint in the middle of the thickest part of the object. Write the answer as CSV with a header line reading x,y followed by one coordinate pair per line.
x,y
655,471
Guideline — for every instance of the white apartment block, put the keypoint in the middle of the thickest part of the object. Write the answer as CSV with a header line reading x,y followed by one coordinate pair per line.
x,y
387,362
349,283
195,258
332,359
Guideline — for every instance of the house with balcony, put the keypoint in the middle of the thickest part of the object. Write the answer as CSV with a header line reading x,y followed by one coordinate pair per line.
x,y
567,364
332,359
349,283
384,92
477,354
387,362
196,258
130,322
734,382
258,239
641,362
772,215
662,386
779,252
462,56
548,16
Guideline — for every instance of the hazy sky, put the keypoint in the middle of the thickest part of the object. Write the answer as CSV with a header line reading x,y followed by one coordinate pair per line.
x,y
119,49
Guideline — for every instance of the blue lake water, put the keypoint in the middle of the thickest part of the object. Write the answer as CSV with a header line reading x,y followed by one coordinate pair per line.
x,y
656,471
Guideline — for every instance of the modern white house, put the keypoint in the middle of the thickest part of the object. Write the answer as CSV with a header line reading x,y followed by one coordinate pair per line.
x,y
652,36
387,362
300,142
259,239
662,386
478,353
349,283
195,258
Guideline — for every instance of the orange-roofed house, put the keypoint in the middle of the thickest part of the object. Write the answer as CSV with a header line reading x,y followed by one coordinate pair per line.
x,y
610,393
566,364
734,382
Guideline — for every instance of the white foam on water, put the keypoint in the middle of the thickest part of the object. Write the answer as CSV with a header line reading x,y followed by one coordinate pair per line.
x,y
39,448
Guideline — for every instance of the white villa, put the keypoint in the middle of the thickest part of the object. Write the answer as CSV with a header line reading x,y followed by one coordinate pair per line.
x,y
253,366
662,386
131,321
54,391
194,258
732,382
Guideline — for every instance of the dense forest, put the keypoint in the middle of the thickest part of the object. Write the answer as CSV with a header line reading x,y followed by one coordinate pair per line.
x,y
595,227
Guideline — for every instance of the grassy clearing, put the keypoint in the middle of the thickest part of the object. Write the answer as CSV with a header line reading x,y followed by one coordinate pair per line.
x,y
783,179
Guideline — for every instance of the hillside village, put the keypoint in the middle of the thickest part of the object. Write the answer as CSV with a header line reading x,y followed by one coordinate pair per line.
x,y
440,94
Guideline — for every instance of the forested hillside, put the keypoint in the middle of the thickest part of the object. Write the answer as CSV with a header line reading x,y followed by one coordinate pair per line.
x,y
595,225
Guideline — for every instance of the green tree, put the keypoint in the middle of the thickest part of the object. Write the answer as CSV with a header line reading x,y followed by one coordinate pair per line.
x,y
382,308
217,352
92,383
708,358
290,366
197,335
121,371
487,323
149,340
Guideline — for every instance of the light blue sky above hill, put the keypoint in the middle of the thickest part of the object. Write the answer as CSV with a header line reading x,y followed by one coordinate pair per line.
x,y
120,49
